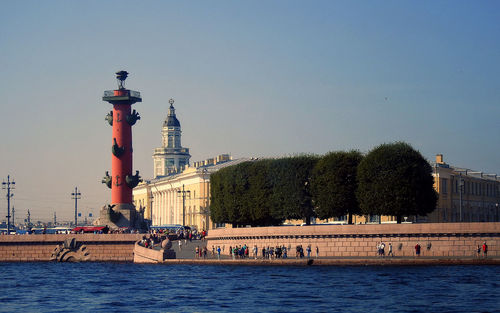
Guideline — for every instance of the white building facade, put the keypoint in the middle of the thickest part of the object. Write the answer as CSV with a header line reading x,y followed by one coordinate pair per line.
x,y
182,198
171,157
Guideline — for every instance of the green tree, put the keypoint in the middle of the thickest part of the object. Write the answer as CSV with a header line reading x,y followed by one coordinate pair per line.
x,y
259,193
334,185
237,197
394,179
218,214
264,192
241,193
290,181
228,193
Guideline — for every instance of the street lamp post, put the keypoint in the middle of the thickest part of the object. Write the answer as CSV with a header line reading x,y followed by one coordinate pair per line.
x,y
206,210
151,206
182,193
461,185
498,218
76,195
7,185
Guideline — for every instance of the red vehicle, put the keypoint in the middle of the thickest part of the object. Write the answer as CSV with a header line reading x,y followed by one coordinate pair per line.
x,y
91,229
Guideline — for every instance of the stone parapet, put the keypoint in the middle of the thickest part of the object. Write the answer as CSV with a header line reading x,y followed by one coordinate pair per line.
x,y
101,247
436,240
147,255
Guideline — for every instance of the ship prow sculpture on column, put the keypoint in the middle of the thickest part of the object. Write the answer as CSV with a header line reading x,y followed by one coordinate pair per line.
x,y
121,212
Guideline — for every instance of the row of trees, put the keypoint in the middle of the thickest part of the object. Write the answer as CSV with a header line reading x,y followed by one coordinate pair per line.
x,y
263,192
392,179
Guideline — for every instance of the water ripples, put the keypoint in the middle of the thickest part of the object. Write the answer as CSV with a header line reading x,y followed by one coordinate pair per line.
x,y
115,287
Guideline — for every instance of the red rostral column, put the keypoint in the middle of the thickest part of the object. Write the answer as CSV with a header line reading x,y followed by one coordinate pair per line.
x,y
122,119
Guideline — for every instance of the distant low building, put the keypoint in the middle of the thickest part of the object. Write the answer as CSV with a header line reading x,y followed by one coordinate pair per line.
x,y
464,194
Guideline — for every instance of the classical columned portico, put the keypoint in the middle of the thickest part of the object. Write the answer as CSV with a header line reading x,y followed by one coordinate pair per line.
x,y
167,198
163,207
156,206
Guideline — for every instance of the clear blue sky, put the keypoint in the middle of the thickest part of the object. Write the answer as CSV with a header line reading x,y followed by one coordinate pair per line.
x,y
250,78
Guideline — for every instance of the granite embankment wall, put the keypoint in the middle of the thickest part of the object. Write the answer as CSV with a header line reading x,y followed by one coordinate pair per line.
x,y
436,239
101,247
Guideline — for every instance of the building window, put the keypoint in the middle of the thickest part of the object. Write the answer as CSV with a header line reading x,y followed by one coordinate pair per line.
x,y
444,187
158,168
374,218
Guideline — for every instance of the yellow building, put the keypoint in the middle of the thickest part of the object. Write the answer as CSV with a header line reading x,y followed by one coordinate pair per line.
x,y
183,198
465,195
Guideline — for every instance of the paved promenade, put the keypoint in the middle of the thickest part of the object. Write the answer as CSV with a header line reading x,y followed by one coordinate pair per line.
x,y
337,262
187,256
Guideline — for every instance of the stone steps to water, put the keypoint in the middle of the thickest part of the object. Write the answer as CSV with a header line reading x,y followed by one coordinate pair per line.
x,y
188,248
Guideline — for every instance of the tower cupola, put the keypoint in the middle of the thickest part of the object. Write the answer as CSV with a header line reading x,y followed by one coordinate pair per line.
x,y
171,158
171,120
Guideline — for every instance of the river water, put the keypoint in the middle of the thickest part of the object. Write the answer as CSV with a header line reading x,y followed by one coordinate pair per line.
x,y
125,287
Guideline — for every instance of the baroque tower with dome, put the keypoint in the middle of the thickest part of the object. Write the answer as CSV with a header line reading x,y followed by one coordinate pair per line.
x,y
171,157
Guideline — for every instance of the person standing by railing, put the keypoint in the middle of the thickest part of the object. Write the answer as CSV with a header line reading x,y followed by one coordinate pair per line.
x,y
485,250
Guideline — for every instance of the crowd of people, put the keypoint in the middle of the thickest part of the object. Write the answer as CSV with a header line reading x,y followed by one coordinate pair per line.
x,y
153,239
265,252
190,234
200,253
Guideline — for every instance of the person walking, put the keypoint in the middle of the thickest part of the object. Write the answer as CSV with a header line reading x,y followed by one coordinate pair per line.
x,y
317,252
485,249
390,250
417,249
218,252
